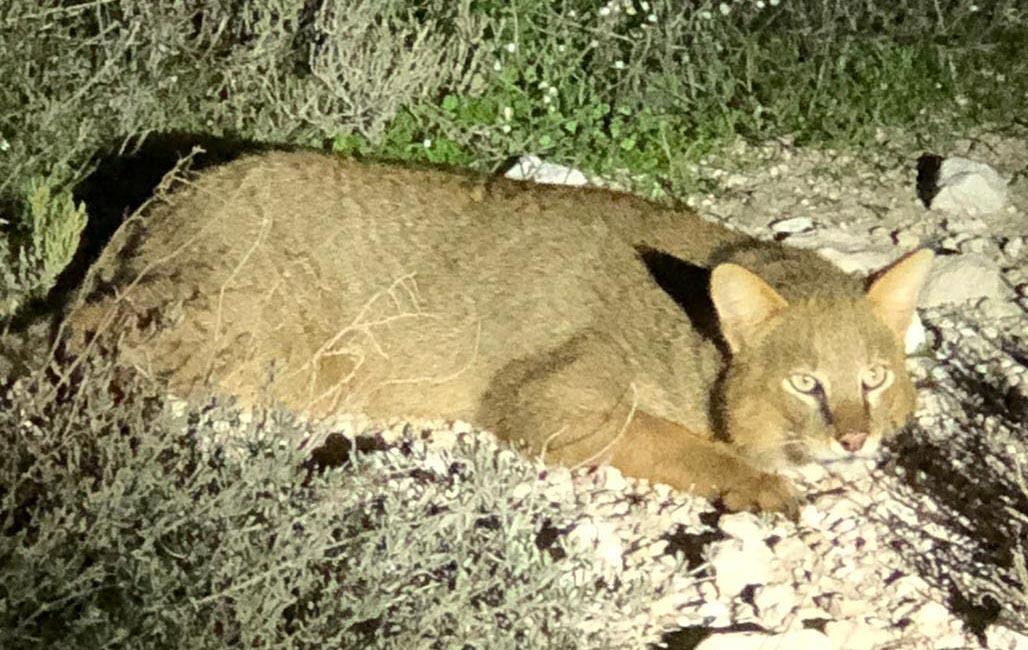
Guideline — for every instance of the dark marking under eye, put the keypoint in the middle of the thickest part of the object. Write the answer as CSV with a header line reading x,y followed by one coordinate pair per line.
x,y
822,404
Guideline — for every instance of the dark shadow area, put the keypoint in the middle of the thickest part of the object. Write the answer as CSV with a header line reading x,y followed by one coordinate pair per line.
x,y
688,638
338,451
960,474
692,545
928,166
689,286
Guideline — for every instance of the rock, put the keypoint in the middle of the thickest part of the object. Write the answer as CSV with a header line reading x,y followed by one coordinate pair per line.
x,y
1013,246
910,586
857,261
965,225
793,640
791,549
808,472
792,225
715,614
932,618
737,564
1002,638
442,439
533,168
521,491
957,278
969,187
841,607
811,517
775,602
613,479
855,635
742,525
916,335
906,239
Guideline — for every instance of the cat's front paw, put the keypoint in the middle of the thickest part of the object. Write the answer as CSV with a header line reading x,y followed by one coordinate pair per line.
x,y
762,492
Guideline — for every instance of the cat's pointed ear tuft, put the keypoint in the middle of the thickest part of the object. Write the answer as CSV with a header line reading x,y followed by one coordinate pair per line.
x,y
893,291
743,302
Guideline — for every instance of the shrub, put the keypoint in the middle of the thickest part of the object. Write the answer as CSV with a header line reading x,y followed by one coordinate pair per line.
x,y
127,521
42,246
83,79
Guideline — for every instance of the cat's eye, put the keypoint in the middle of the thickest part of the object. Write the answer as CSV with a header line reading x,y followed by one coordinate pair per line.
x,y
801,382
875,376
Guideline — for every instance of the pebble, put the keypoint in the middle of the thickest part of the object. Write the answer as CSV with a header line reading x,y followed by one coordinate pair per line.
x,y
959,278
1003,638
793,640
969,187
775,602
738,563
533,168
743,525
792,225
855,635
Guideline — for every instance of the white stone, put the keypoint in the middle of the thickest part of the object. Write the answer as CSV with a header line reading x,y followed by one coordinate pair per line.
x,y
1002,638
1013,246
932,618
916,335
442,439
969,187
906,239
791,549
811,516
808,472
793,640
613,479
857,261
584,535
909,586
963,225
437,463
792,225
957,278
521,491
742,525
855,635
533,168
737,564
775,602
715,613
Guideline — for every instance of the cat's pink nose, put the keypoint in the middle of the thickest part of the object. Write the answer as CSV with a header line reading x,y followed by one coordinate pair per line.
x,y
852,441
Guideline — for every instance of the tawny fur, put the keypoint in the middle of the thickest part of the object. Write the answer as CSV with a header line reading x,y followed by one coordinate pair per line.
x,y
330,286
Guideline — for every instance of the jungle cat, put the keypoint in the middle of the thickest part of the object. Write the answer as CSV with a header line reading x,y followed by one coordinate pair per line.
x,y
330,285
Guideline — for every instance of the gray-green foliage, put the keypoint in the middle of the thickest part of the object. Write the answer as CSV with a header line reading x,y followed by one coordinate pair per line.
x,y
81,77
86,77
125,523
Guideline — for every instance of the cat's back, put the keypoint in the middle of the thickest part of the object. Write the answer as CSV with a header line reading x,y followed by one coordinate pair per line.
x,y
358,276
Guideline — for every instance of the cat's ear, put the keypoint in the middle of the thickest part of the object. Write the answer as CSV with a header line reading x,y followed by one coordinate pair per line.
x,y
893,291
743,302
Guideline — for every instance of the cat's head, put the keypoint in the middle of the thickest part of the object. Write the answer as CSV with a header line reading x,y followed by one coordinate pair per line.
x,y
820,378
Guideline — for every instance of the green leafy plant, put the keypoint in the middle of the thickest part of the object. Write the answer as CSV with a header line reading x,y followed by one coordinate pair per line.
x,y
32,254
